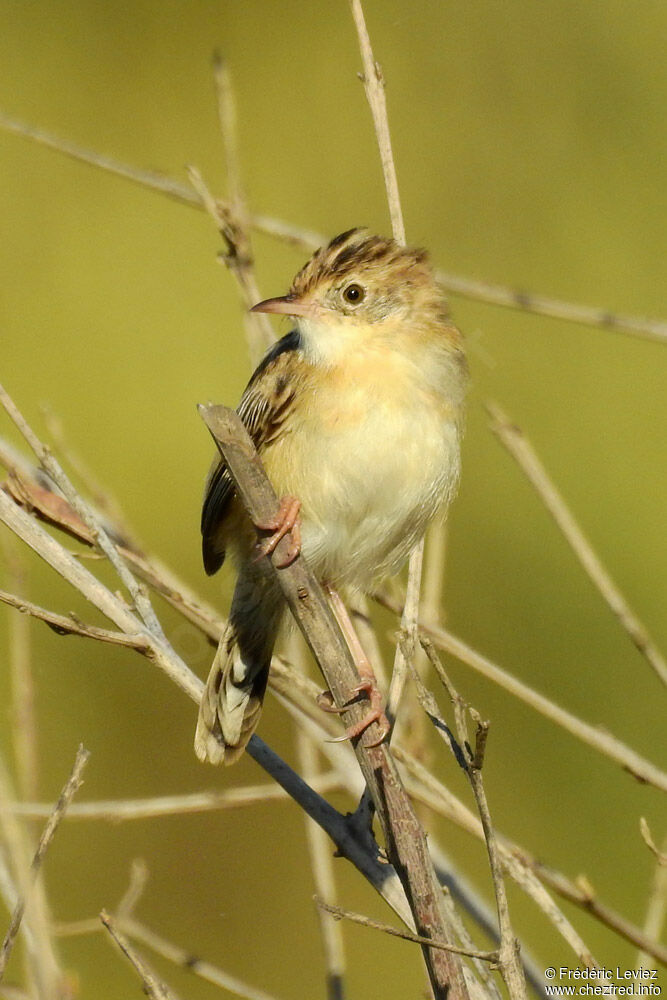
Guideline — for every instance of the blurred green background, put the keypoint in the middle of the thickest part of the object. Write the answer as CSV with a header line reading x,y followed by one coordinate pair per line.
x,y
531,142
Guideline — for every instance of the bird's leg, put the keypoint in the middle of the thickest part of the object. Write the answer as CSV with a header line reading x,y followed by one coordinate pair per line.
x,y
368,684
286,522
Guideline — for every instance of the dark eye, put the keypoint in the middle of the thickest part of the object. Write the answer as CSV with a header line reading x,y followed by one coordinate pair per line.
x,y
353,293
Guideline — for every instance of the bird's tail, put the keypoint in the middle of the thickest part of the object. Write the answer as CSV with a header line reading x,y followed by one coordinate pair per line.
x,y
232,701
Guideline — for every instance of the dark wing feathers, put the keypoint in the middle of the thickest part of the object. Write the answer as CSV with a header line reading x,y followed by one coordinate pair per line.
x,y
262,413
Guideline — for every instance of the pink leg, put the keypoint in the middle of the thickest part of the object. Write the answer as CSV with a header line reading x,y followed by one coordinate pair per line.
x,y
286,522
368,684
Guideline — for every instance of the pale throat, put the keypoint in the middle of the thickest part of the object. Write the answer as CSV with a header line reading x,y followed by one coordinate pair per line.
x,y
330,342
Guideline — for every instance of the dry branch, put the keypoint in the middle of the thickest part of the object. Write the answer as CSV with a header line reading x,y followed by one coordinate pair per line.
x,y
405,840
359,918
306,239
597,738
520,448
152,984
70,789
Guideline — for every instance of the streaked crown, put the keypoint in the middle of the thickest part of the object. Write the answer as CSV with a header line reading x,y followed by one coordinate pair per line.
x,y
370,277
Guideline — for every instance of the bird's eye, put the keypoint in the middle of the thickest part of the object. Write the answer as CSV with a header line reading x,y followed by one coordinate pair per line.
x,y
353,294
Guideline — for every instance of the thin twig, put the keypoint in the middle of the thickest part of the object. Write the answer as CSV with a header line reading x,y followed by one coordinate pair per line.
x,y
259,332
525,868
43,973
656,910
70,789
85,512
359,918
306,239
125,810
597,738
319,850
374,87
24,730
373,82
508,956
232,219
68,625
520,448
153,986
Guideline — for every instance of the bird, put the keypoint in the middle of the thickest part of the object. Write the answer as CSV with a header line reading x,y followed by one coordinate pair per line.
x,y
357,416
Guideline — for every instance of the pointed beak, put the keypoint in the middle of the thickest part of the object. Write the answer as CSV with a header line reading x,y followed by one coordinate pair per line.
x,y
286,305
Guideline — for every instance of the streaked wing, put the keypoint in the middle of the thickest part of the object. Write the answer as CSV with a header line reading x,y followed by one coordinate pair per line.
x,y
263,408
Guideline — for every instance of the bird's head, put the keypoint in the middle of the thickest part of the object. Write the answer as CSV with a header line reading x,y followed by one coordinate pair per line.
x,y
361,287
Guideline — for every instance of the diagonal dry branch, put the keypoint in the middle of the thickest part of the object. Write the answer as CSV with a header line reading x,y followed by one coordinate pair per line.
x,y
405,840
70,789
521,450
596,737
308,240
471,763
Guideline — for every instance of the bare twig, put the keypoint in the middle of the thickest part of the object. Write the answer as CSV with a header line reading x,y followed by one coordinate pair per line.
x,y
22,686
319,850
645,830
306,239
259,332
598,739
69,625
373,82
406,844
124,810
359,918
656,911
43,973
374,87
70,788
524,868
154,987
85,512
520,448
472,762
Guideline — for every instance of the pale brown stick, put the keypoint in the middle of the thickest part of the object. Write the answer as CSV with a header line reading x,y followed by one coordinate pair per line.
x,y
520,448
472,761
70,789
86,513
406,843
359,918
306,239
24,735
126,810
597,738
656,910
153,986
374,86
319,850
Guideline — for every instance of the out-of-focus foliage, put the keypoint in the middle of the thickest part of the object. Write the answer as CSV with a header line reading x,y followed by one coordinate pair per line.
x,y
530,142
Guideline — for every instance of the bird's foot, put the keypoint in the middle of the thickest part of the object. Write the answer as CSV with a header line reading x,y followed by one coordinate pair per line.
x,y
286,522
375,713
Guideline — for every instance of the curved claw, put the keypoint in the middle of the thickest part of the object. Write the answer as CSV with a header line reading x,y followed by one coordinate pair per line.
x,y
286,522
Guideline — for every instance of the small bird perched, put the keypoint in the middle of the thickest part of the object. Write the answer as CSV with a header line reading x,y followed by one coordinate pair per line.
x,y
357,413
